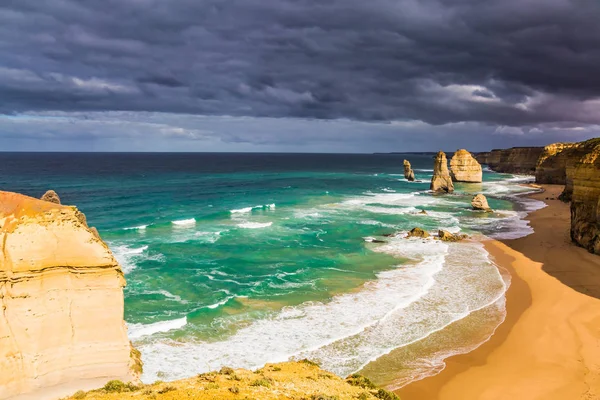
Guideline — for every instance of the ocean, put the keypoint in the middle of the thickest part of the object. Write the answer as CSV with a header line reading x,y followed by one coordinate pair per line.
x,y
242,259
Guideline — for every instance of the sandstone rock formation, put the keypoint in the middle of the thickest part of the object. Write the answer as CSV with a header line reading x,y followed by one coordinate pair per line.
x,y
51,196
441,181
408,172
446,236
289,380
465,168
61,297
583,189
517,160
418,232
551,166
479,202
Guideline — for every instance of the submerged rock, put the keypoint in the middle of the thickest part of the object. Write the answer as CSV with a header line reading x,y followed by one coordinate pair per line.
x,y
446,236
408,172
465,168
51,196
479,202
418,232
441,180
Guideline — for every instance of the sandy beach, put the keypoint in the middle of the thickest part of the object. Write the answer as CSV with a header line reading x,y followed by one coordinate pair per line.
x,y
549,345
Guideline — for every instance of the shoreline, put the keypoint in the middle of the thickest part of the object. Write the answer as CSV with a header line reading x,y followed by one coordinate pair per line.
x,y
549,343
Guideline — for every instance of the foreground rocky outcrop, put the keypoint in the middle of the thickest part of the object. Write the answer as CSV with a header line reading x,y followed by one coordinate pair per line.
x,y
446,236
516,160
61,297
289,380
479,202
408,171
583,189
417,232
51,196
465,168
441,180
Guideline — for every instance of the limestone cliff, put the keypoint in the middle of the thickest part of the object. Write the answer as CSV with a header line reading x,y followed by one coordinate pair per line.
x,y
583,189
301,380
441,181
464,168
408,171
516,160
61,302
551,166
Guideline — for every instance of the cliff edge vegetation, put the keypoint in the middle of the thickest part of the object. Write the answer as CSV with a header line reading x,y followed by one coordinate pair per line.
x,y
298,380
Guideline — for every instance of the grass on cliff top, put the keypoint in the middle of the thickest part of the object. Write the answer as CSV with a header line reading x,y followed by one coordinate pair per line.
x,y
302,380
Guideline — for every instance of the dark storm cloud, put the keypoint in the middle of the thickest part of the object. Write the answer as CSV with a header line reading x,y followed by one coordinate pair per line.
x,y
510,62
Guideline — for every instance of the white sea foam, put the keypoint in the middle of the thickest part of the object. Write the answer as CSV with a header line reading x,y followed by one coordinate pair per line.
x,y
207,237
249,209
168,295
138,228
254,225
184,222
136,331
126,256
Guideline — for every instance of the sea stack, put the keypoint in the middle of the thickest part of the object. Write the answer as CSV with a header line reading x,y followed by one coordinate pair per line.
x,y
479,202
464,167
408,172
61,293
441,180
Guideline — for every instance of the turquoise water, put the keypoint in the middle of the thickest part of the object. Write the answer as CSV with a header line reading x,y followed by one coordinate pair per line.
x,y
240,260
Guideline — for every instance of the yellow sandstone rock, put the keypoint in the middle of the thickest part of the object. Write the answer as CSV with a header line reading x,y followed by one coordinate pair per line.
x,y
61,303
441,181
465,168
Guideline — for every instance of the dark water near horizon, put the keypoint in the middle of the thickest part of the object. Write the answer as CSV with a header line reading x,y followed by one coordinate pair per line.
x,y
242,259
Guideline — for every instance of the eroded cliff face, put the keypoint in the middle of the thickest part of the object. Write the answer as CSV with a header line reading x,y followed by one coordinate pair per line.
x,y
61,301
552,164
583,189
516,160
465,168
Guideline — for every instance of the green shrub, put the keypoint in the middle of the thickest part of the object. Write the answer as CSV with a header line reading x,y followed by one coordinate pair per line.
x,y
234,389
211,386
385,395
80,394
226,371
114,386
363,396
323,397
361,381
167,389
309,362
262,382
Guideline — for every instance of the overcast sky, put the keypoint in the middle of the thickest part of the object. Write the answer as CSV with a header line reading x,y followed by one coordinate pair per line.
x,y
297,75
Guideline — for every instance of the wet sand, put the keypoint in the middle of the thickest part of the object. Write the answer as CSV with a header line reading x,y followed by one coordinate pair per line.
x,y
549,345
